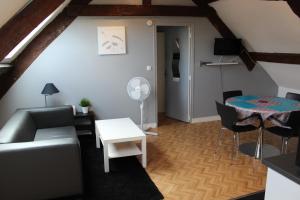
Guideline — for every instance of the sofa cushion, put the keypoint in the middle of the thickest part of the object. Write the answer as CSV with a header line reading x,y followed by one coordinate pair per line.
x,y
55,133
19,128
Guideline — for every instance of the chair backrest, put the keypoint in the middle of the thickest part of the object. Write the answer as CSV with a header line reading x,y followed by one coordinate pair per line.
x,y
233,93
293,96
294,120
228,115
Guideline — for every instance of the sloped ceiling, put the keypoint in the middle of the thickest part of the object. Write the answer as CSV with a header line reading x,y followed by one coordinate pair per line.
x,y
266,26
9,9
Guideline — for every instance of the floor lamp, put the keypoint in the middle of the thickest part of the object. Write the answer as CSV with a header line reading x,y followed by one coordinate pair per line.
x,y
49,89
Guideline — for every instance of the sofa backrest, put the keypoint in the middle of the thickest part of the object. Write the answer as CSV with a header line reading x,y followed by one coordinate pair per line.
x,y
19,128
22,126
51,117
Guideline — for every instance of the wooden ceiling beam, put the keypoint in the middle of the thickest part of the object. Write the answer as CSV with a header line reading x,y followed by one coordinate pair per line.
x,y
210,1
80,2
16,29
135,10
285,58
226,32
36,47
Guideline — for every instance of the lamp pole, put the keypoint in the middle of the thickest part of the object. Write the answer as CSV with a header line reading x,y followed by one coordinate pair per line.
x,y
46,100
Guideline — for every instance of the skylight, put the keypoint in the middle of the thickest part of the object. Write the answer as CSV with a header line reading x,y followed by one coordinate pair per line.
x,y
20,47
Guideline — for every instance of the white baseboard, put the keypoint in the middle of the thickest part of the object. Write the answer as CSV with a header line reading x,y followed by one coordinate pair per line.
x,y
206,119
150,125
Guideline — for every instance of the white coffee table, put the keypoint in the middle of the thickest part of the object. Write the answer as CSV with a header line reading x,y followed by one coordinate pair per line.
x,y
118,137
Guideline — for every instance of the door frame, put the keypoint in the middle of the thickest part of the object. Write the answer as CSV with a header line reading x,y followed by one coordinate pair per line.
x,y
190,66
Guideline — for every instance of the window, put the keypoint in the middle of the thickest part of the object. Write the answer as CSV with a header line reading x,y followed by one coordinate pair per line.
x,y
21,46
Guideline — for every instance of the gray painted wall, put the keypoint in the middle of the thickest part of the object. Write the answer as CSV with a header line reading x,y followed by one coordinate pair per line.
x,y
72,63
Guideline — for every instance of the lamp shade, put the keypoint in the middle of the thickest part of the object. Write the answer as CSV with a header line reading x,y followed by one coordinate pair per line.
x,y
50,89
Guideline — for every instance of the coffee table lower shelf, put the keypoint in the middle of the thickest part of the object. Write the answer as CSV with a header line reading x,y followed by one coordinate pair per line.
x,y
124,149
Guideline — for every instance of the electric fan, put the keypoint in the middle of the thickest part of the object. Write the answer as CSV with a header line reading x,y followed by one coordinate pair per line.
x,y
139,89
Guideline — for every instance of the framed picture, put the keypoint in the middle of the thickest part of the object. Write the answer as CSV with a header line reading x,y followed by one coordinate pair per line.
x,y
111,40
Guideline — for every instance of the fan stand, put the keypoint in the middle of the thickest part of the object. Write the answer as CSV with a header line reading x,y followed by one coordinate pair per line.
x,y
142,121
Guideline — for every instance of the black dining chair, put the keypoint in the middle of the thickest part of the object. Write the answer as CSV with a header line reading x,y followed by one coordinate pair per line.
x,y
290,129
233,93
229,120
289,95
293,96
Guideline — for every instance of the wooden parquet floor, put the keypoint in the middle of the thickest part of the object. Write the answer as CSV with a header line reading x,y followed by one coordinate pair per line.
x,y
185,164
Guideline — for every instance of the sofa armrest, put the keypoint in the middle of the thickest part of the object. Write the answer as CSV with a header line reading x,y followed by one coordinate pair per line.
x,y
41,169
52,117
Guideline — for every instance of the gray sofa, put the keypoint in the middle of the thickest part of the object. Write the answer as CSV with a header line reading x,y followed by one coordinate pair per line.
x,y
40,155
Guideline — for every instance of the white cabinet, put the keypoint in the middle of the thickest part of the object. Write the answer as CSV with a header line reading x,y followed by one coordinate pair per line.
x,y
280,187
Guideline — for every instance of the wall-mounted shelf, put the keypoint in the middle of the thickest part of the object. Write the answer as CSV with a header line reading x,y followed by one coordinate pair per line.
x,y
218,63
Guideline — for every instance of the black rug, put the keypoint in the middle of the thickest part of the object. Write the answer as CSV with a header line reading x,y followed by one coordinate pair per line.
x,y
127,178
254,196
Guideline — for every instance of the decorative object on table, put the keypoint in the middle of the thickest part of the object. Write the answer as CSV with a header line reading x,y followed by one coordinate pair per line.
x,y
139,89
49,89
85,105
111,40
85,123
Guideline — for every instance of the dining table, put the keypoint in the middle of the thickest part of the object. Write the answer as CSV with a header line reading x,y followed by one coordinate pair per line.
x,y
275,109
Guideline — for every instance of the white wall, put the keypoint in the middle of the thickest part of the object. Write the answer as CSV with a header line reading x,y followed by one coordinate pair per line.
x,y
8,8
283,90
266,26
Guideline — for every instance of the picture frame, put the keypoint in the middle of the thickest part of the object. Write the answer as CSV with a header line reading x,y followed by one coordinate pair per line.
x,y
111,40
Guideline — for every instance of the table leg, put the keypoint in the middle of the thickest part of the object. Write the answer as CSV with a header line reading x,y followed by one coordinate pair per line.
x,y
144,152
259,146
97,139
105,156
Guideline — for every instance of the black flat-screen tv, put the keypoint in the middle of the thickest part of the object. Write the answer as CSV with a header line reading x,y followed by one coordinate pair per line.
x,y
226,46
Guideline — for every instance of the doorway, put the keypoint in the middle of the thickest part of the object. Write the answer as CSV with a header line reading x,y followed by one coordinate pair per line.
x,y
173,79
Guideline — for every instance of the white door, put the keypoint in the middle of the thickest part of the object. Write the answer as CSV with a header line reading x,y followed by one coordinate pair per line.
x,y
177,73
